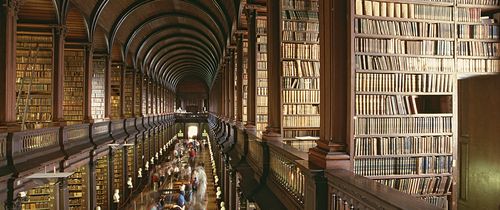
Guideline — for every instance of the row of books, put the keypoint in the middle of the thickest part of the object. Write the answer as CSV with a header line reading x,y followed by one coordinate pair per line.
x,y
304,109
404,28
261,26
300,36
36,69
398,63
37,47
473,48
102,182
300,96
403,10
480,2
37,80
478,65
98,89
46,62
300,15
300,68
385,105
300,26
300,83
294,133
261,100
404,165
439,201
300,51
478,31
401,145
402,125
398,46
421,186
301,121
33,87
301,4
416,83
262,91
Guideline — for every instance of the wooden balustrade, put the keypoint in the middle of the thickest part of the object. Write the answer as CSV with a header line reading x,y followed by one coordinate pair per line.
x,y
347,190
255,155
100,128
3,145
76,132
285,172
31,140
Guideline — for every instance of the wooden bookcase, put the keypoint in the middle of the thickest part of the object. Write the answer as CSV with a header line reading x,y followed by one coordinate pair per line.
x,y
261,76
140,154
115,91
235,86
138,101
102,182
117,180
78,188
73,85
300,72
144,97
99,66
130,164
40,198
127,92
34,79
245,79
406,59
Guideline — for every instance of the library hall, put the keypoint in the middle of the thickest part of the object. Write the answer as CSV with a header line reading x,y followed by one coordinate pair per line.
x,y
249,104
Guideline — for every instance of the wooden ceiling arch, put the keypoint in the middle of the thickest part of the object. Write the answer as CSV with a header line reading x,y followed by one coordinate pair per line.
x,y
186,40
187,31
173,62
38,12
77,26
182,49
183,72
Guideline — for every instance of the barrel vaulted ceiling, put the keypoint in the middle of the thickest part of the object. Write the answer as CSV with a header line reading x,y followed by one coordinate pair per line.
x,y
168,40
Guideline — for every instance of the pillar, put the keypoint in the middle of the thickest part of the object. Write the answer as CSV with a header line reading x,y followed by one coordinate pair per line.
x,y
58,75
330,151
251,71
239,80
87,88
273,130
8,28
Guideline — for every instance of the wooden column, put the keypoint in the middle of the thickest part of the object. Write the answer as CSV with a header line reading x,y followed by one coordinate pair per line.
x,y
107,88
58,75
134,92
8,28
273,130
251,71
239,76
87,88
122,90
230,83
330,151
223,89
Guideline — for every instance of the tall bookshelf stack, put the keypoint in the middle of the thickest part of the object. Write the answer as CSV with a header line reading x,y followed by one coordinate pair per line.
x,y
34,79
73,85
407,57
102,182
144,97
115,91
77,187
40,198
140,155
117,180
146,145
127,92
245,80
261,77
138,101
235,86
300,72
130,162
97,106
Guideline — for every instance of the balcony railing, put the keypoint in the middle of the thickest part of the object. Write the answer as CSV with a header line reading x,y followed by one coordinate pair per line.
x,y
31,140
295,183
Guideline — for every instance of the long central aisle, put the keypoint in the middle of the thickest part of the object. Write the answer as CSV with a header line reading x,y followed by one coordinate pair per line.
x,y
143,201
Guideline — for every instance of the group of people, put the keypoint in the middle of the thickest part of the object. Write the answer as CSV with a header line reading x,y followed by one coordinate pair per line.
x,y
182,168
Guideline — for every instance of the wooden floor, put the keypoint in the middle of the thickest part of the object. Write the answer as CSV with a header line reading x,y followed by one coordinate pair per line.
x,y
142,201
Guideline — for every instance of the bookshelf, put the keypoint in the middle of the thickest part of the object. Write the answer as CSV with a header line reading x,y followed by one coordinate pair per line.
x,y
73,85
115,91
97,106
118,172
261,77
300,73
34,79
407,58
144,100
102,182
235,86
138,101
40,198
147,145
245,80
140,158
77,187
130,163
127,92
